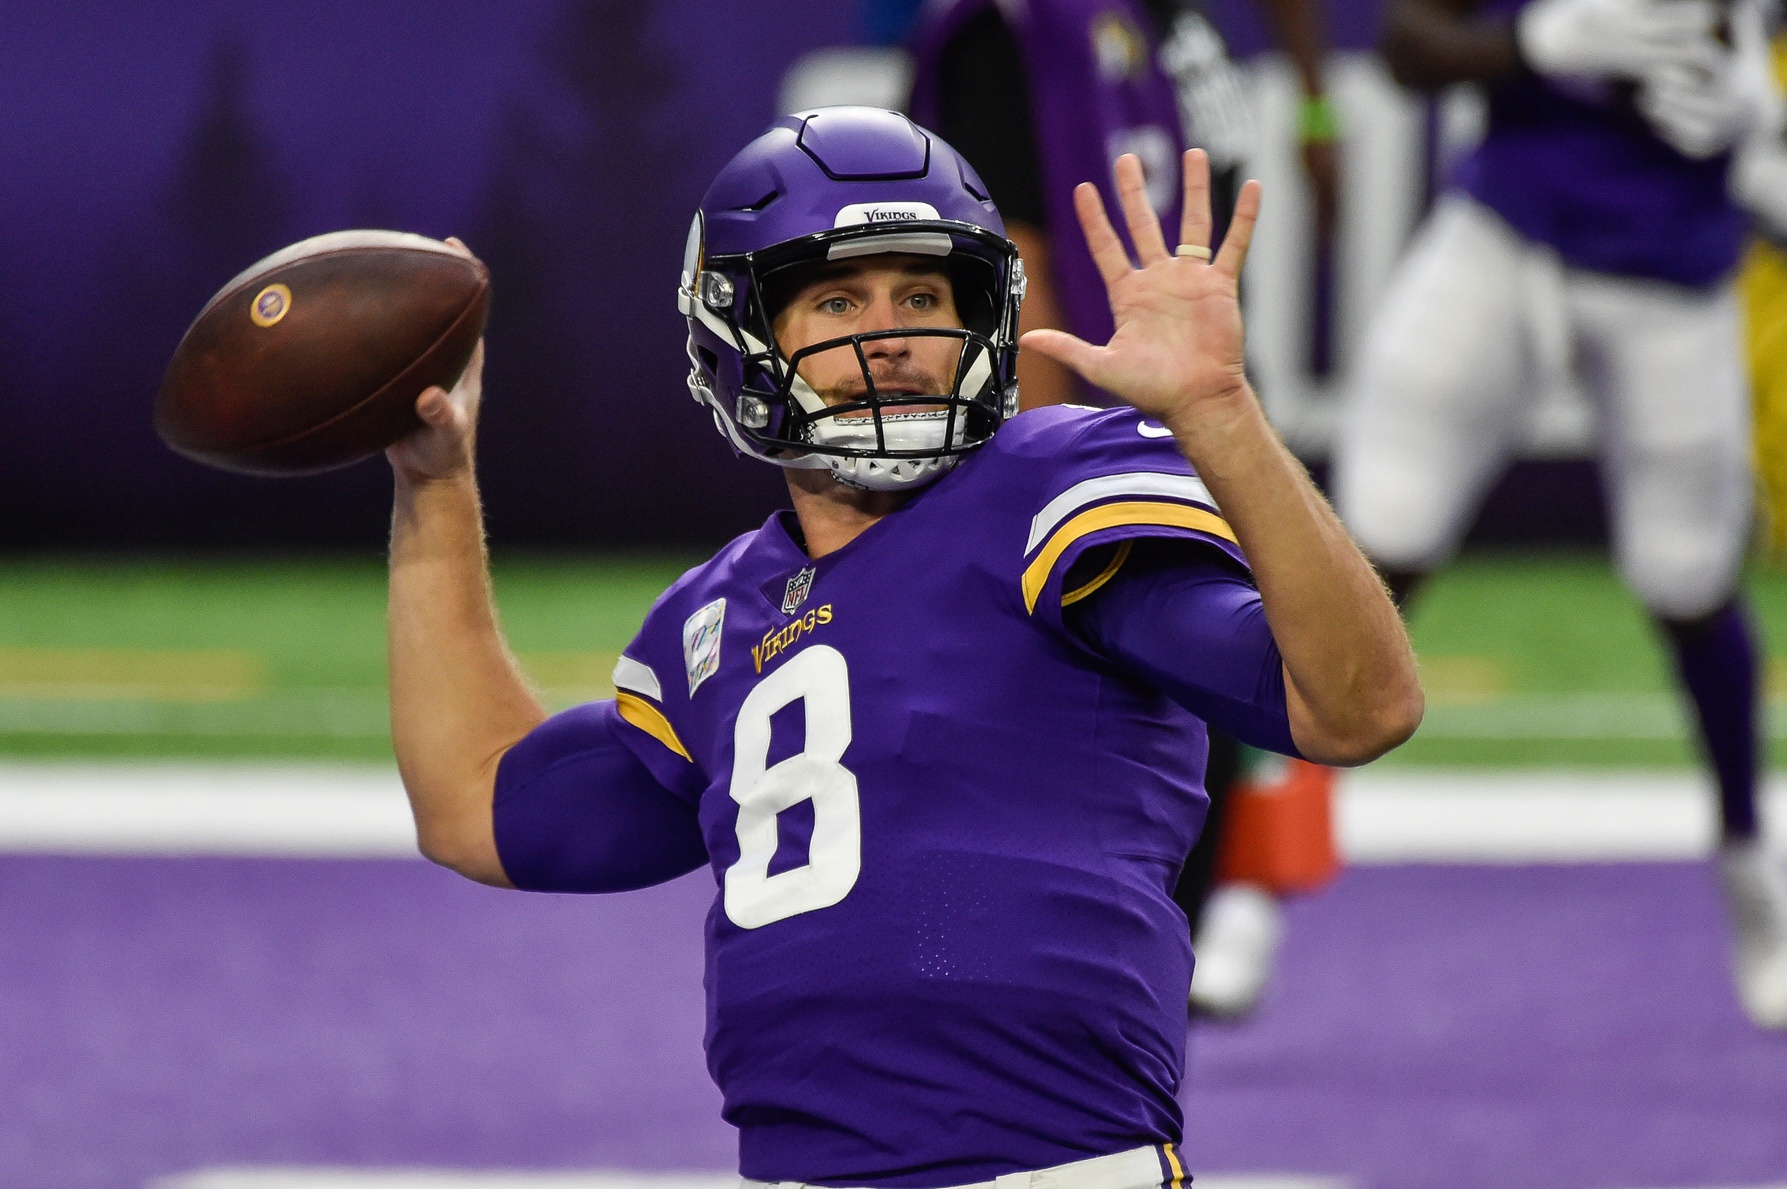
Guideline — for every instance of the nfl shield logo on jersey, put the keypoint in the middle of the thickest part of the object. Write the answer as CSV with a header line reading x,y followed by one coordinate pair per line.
x,y
798,588
701,642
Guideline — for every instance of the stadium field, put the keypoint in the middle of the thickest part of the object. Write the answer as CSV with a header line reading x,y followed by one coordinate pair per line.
x,y
1537,659
242,976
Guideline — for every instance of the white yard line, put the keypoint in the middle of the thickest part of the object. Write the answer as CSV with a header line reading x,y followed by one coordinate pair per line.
x,y
1388,815
272,810
1401,815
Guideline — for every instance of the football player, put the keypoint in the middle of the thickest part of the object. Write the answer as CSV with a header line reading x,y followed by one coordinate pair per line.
x,y
1591,229
937,731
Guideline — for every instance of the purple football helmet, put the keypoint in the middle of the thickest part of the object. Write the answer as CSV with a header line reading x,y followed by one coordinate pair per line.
x,y
836,184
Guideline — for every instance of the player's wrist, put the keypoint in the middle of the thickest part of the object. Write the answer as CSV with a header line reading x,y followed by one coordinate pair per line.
x,y
1547,38
1517,52
412,480
1213,417
1539,40
1318,120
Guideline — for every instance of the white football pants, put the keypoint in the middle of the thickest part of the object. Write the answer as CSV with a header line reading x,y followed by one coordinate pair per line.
x,y
1456,356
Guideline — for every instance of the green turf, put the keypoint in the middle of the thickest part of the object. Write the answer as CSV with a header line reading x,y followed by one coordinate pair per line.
x,y
1546,659
1529,659
311,630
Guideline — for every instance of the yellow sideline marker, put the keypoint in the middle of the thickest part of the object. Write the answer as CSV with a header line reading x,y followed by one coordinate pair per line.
x,y
569,678
116,674
1465,680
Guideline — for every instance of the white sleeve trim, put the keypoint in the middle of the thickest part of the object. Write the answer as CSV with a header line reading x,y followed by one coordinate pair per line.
x,y
1091,491
631,675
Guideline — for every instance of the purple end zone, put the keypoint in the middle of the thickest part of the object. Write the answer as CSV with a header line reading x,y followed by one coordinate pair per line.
x,y
167,1015
1455,1026
1499,1026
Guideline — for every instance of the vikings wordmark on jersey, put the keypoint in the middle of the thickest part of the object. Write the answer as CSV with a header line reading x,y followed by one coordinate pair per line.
x,y
776,640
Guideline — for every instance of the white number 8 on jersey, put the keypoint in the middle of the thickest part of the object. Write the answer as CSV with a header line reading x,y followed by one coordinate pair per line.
x,y
819,678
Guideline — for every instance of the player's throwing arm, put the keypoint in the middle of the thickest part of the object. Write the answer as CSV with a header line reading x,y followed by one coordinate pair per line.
x,y
458,701
1352,689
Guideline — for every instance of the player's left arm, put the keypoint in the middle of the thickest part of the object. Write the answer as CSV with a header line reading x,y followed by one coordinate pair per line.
x,y
1351,685
1297,26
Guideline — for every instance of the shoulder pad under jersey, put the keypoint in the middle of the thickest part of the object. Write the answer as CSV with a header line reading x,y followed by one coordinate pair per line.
x,y
1101,476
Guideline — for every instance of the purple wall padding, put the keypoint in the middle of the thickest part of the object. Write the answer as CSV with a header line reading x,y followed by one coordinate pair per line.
x,y
151,151
1352,24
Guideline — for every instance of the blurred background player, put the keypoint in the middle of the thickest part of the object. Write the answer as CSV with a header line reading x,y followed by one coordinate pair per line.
x,y
1591,230
1759,183
1040,95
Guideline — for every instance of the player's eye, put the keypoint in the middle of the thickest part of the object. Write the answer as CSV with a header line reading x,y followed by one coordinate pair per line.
x,y
835,306
923,301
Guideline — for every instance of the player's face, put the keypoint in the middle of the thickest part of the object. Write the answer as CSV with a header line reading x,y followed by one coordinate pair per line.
x,y
888,292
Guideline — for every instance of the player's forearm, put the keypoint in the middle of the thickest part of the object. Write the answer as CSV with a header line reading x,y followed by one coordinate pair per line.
x,y
1351,679
1430,44
458,702
1297,27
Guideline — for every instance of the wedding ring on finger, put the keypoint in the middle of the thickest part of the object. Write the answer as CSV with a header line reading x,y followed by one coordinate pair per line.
x,y
1192,250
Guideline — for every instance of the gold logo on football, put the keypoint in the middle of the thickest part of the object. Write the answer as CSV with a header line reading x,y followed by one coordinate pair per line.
x,y
270,305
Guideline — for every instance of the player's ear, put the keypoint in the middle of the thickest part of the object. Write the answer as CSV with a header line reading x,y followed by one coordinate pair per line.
x,y
778,293
778,329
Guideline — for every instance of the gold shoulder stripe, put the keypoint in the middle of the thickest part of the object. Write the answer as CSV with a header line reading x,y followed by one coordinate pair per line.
x,y
1110,572
1036,574
649,719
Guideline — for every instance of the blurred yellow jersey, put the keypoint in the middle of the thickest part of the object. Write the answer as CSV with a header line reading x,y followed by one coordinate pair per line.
x,y
1764,287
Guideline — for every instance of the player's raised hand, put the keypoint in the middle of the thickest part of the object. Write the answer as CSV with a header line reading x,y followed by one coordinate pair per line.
x,y
1177,349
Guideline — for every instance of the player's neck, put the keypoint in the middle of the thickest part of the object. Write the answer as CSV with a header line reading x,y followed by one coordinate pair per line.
x,y
832,514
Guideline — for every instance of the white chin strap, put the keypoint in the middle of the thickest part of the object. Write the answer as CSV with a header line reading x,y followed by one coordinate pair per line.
x,y
902,431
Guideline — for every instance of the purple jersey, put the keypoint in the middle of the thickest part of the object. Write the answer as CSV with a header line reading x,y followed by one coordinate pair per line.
x,y
1574,166
945,829
1097,92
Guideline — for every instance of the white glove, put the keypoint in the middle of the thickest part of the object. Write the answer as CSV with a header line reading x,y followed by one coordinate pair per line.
x,y
1703,113
1759,184
1700,115
1619,38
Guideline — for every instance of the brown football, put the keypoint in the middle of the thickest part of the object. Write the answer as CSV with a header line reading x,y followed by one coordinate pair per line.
x,y
313,358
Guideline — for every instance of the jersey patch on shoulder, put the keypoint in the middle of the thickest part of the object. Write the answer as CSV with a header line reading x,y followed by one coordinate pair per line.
x,y
701,643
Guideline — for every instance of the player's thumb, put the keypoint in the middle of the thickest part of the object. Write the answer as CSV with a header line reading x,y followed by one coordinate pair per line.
x,y
1064,348
434,408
